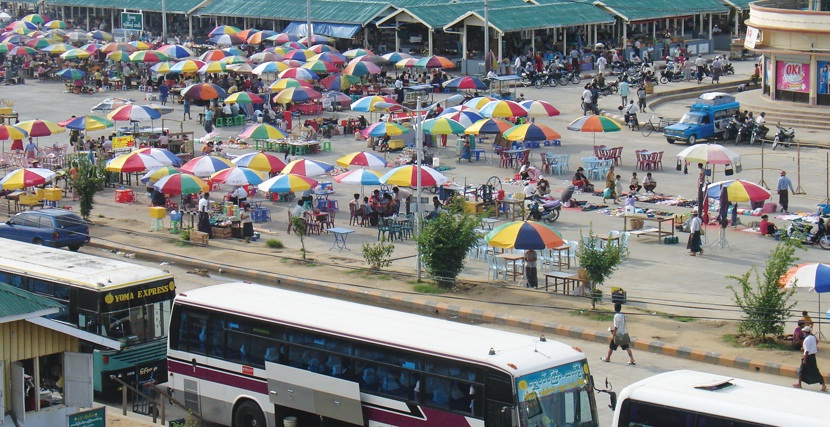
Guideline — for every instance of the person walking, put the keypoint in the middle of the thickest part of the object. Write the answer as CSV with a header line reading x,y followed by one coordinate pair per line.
x,y
784,184
700,68
809,372
620,336
716,70
530,270
609,192
186,112
247,222
695,239
624,91
602,64
642,98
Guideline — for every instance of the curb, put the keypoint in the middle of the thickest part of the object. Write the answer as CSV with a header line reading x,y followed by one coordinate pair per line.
x,y
425,305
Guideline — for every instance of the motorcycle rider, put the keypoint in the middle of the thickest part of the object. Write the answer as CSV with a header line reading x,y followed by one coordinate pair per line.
x,y
761,124
630,115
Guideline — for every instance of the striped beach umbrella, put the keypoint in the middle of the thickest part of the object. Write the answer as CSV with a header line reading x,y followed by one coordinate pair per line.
x,y
23,51
380,129
188,66
260,37
235,51
465,83
38,44
331,57
38,128
176,51
367,104
148,56
164,156
539,108
321,48
214,67
286,83
363,159
281,38
262,131
356,53
181,183
101,36
213,55
71,74
298,73
296,94
434,61
263,162
263,57
287,183
227,40
57,48
395,57
298,55
12,132
503,108
162,68
119,56
235,59
133,112
320,67
358,68
56,24
443,126
359,177
465,117
203,91
139,45
307,167
739,191
531,132
339,82
273,67
489,126
524,235
156,174
26,177
408,176
92,48
204,166
237,176
132,162
243,98
87,123
478,102
315,39
124,47
223,29
36,18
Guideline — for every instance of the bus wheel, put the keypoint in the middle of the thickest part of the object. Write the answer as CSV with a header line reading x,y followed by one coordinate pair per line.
x,y
248,414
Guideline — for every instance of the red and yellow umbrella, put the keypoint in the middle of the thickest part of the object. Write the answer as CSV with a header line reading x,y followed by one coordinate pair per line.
x,y
181,183
12,132
38,128
133,162
26,177
363,159
287,183
113,47
263,162
739,191
489,126
286,83
502,108
539,108
531,132
524,235
213,55
408,176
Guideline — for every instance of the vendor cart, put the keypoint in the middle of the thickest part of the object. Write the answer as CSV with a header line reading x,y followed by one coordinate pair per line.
x,y
412,93
504,87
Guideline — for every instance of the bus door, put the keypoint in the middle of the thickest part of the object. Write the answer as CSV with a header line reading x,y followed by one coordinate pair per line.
x,y
314,393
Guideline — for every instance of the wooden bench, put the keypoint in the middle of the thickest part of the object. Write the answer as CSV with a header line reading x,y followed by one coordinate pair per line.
x,y
644,231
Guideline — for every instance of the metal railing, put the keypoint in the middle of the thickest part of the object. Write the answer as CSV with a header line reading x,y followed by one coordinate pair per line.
x,y
163,396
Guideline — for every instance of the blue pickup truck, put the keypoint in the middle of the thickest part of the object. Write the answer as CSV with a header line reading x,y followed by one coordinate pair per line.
x,y
706,120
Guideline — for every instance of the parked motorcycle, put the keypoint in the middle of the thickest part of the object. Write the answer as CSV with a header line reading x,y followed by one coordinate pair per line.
x,y
550,211
758,133
731,130
744,132
785,136
803,231
668,75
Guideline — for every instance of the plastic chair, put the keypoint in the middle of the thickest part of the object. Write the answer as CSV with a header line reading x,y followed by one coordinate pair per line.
x,y
544,163
218,122
239,120
573,251
326,146
495,267
229,121
624,244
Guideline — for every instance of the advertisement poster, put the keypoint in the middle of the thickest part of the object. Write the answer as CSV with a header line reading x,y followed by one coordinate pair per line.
x,y
823,77
124,141
768,72
792,76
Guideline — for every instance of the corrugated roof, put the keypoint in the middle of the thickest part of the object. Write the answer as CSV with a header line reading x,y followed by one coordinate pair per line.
x,y
17,304
171,6
742,4
352,11
508,18
637,10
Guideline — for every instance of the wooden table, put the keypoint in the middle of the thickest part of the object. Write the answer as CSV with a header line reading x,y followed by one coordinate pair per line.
x,y
560,249
569,281
608,240
9,119
658,232
513,207
512,258
488,223
14,197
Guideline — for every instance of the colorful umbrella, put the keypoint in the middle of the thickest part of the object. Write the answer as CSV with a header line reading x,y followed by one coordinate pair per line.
x,y
262,131
92,48
261,57
203,91
355,53
465,117
367,104
408,176
298,73
38,128
158,173
101,35
434,61
23,51
539,108
164,156
204,166
87,123
593,124
281,38
133,162
380,129
71,74
180,183
243,98
298,55
320,67
315,39
358,68
38,44
331,57
812,276
287,183
739,191
237,176
260,36
215,67
176,51
263,162
140,45
12,132
26,177
270,67
234,51
339,82
360,177
241,68
395,57
286,83
296,94
524,235
325,48
57,48
713,154
227,40
362,158
35,18
57,35
292,63
187,66
114,47
339,98
465,82
442,126
148,56
307,167
132,112
162,68
489,126
56,25
213,55
478,102
531,132
502,108
21,24
119,56
224,29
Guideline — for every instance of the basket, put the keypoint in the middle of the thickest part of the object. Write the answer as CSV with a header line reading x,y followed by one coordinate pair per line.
x,y
636,224
199,237
176,216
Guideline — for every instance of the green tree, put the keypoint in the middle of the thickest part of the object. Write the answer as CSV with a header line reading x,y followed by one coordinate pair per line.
x,y
445,240
378,254
766,305
87,180
598,263
299,227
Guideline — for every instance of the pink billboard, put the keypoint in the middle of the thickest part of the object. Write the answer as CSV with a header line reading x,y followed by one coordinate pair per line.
x,y
792,76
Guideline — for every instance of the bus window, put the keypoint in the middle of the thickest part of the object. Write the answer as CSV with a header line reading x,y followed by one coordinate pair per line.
x,y
192,332
641,413
391,383
215,338
367,379
237,347
437,391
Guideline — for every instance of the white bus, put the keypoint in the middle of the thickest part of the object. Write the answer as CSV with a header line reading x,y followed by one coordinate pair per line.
x,y
699,399
242,354
118,310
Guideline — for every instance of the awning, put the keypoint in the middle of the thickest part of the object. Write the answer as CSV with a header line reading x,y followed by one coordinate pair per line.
x,y
341,31
75,332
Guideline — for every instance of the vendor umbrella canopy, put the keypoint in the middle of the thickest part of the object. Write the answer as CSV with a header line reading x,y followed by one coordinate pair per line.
x,y
261,57
262,131
132,162
296,94
74,54
812,276
213,55
158,173
188,66
359,176
489,126
101,35
356,53
263,162
406,62
465,117
286,83
531,132
434,61
38,128
57,48
273,67
148,56
307,167
123,47
133,112
334,58
260,36
119,56
12,132
524,235
205,166
140,45
380,129
315,39
298,55
539,108
712,154
227,40
501,108
164,156
594,124
36,18
281,38
466,83
87,123
215,67
478,102
203,91
362,158
298,73
443,126
395,57
359,68
739,190
339,82
26,177
176,51
237,176
181,183
243,98
71,74
287,183
223,29
367,104
320,67
408,176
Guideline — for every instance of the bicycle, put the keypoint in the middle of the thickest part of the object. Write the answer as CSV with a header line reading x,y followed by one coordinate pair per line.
x,y
650,126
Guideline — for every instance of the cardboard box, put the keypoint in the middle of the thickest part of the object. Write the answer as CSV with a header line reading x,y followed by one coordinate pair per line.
x,y
199,237
636,224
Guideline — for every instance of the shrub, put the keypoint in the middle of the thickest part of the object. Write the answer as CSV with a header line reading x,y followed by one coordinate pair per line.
x,y
274,244
299,227
444,242
378,254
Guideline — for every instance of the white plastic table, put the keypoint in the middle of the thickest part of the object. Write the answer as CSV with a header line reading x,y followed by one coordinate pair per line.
x,y
340,237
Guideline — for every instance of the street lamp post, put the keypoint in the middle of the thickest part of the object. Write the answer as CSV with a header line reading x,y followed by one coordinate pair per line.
x,y
452,100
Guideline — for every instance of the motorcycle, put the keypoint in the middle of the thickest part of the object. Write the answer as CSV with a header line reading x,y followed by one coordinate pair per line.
x,y
668,75
728,69
549,78
803,231
573,76
550,210
731,130
758,133
785,136
744,132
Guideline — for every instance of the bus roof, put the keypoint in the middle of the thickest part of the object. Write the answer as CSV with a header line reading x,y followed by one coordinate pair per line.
x,y
730,397
514,353
82,270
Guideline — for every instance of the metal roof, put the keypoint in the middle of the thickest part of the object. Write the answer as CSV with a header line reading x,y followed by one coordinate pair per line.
x,y
17,304
171,6
531,16
739,4
637,10
351,11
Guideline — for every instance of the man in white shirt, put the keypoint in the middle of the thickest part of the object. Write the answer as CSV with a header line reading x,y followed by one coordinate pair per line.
x,y
587,98
761,123
601,63
649,184
298,210
700,68
529,191
809,372
204,224
238,196
619,329
518,66
403,197
226,110
630,113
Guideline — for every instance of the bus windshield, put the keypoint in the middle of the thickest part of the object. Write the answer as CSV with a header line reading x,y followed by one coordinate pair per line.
x,y
559,396
143,323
